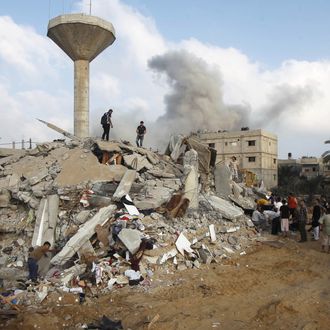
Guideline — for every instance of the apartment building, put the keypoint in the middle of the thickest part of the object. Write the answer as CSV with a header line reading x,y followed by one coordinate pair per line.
x,y
308,167
255,151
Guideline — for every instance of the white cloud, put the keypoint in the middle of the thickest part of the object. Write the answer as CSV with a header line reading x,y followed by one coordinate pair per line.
x,y
36,80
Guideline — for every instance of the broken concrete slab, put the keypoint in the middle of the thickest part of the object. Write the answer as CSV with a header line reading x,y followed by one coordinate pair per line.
x,y
191,188
243,202
161,174
191,158
222,178
124,185
83,235
83,166
212,233
141,162
204,154
227,210
6,152
36,179
131,238
152,157
68,274
176,146
108,146
154,197
53,209
46,220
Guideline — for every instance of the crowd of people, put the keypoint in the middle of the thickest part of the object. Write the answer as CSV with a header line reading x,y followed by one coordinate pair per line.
x,y
289,215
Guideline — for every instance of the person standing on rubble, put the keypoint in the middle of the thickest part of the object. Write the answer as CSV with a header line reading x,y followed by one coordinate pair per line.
x,y
106,124
140,131
234,168
34,256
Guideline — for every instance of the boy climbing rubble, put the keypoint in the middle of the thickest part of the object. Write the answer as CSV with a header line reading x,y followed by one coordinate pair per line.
x,y
34,256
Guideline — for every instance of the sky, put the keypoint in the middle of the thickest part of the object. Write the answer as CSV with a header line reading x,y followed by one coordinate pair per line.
x,y
179,66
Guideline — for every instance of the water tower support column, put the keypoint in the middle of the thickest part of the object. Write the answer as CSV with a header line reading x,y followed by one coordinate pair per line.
x,y
81,98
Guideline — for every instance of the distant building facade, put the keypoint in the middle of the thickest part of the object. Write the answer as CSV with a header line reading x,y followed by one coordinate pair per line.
x,y
255,151
308,167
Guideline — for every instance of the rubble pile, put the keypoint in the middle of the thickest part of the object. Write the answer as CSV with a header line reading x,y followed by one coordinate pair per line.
x,y
116,215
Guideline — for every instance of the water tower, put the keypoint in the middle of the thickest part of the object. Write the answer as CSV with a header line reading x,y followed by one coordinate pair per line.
x,y
82,37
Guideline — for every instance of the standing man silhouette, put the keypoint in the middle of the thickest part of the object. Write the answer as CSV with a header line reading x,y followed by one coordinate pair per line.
x,y
140,131
106,124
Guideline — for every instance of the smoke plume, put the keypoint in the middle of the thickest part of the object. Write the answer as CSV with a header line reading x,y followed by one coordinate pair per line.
x,y
195,101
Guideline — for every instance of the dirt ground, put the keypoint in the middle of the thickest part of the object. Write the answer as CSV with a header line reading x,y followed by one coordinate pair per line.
x,y
283,287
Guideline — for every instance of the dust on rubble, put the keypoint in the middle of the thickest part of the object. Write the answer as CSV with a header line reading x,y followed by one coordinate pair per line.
x,y
269,288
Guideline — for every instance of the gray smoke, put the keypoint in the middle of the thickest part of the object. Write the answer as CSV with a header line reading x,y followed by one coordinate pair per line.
x,y
195,101
283,100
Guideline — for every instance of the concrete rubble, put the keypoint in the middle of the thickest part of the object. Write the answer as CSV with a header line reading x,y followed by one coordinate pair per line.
x,y
116,214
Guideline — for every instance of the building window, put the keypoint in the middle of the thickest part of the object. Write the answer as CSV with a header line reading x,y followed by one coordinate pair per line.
x,y
314,169
226,143
212,145
274,160
274,175
251,143
251,159
270,143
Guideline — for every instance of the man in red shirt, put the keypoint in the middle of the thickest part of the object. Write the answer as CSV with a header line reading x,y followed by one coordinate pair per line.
x,y
292,203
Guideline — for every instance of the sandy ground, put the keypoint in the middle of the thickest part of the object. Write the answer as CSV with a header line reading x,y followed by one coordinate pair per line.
x,y
285,287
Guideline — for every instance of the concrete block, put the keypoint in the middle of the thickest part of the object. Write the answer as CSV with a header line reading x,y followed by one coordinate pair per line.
x,y
131,238
226,209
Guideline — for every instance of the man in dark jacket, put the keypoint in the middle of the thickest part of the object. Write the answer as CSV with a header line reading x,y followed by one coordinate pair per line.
x,y
140,131
106,124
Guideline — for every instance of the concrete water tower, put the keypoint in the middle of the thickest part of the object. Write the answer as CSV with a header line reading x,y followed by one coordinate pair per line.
x,y
82,37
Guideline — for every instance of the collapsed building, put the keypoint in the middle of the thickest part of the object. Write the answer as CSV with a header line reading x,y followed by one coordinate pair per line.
x,y
117,214
255,151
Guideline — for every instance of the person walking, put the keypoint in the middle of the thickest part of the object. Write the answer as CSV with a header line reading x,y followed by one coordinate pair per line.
x,y
106,124
140,131
285,214
302,220
315,220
